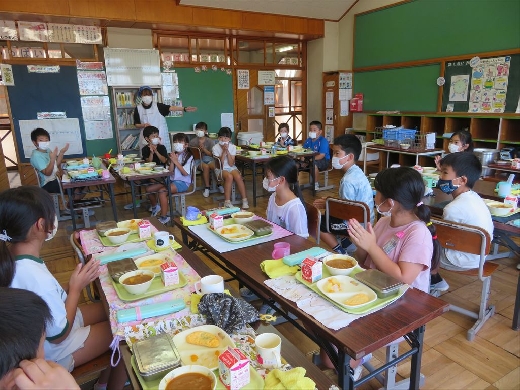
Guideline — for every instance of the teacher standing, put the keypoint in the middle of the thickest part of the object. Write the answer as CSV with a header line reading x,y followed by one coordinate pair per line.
x,y
151,113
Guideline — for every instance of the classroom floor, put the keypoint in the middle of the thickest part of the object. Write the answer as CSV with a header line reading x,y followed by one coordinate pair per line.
x,y
491,361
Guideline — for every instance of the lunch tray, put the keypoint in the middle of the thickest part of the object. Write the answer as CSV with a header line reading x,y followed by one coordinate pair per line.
x,y
377,304
156,288
133,237
253,237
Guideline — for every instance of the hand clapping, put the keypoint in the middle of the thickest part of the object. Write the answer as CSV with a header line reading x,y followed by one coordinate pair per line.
x,y
363,238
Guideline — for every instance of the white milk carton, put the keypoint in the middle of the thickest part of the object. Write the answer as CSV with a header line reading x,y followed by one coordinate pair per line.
x,y
216,221
311,270
233,368
145,228
169,274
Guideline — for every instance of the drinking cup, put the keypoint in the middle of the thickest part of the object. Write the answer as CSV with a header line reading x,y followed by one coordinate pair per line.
x,y
162,239
281,249
504,189
192,213
105,174
268,350
211,284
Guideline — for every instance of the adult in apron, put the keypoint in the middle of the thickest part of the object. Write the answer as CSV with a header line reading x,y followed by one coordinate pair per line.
x,y
151,113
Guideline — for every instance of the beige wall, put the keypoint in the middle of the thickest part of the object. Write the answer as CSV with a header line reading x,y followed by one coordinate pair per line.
x,y
131,38
314,69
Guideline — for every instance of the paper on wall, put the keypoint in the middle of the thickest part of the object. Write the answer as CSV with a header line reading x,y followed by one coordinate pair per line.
x,y
61,32
98,130
242,78
226,120
269,95
8,31
329,99
32,31
459,88
329,116
343,107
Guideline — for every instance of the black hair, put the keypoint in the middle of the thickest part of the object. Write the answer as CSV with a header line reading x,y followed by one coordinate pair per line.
x,y
24,317
465,138
286,167
464,164
202,126
181,137
38,132
317,124
406,186
21,208
224,132
149,130
283,126
349,143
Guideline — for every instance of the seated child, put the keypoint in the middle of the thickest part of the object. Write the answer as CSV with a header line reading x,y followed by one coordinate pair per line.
x,y
284,140
460,141
319,144
205,144
354,185
75,335
180,163
22,334
226,151
459,172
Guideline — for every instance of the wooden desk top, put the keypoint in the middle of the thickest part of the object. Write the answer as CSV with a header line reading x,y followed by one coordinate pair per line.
x,y
411,151
362,336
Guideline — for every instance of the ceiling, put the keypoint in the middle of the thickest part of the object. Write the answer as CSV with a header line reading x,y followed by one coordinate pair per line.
x,y
317,9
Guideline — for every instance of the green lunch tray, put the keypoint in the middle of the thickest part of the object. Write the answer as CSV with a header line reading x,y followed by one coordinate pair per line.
x,y
156,288
253,237
133,237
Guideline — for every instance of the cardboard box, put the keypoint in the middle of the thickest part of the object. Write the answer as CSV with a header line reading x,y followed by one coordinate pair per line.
x,y
169,274
233,368
145,228
311,270
216,221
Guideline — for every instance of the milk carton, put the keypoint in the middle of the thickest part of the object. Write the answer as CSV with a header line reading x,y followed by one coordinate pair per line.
x,y
233,368
216,221
511,200
169,274
145,228
311,270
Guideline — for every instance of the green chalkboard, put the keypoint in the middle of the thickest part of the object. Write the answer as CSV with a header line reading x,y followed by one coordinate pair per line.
x,y
403,89
480,86
423,29
210,91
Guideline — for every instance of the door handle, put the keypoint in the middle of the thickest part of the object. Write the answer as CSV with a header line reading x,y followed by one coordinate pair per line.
x,y
239,125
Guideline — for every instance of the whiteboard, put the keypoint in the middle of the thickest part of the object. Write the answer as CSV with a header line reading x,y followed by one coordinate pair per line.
x,y
132,67
62,131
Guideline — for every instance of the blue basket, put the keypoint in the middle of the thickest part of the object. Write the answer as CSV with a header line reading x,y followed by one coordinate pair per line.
x,y
399,134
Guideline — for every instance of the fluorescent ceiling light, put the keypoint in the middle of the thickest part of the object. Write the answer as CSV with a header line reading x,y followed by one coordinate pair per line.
x,y
284,48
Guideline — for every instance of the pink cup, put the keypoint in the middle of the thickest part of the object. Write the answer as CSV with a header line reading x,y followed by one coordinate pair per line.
x,y
105,174
281,249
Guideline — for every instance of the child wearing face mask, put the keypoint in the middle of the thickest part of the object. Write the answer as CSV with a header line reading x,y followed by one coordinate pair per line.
x,y
460,141
205,144
354,185
180,164
317,143
284,140
226,152
153,151
458,174
75,335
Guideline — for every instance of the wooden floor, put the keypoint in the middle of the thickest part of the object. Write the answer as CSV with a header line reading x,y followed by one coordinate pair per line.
x,y
491,361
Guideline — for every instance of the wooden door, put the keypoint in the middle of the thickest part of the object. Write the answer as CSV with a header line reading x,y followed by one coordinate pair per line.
x,y
251,113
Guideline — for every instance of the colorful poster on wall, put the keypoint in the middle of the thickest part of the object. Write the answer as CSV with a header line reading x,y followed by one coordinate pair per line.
x,y
489,82
459,88
269,95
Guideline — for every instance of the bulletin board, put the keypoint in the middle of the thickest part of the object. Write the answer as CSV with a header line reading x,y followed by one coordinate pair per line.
x,y
46,92
491,85
210,91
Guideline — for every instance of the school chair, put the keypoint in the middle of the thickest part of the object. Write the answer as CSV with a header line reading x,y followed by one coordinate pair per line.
x,y
61,215
197,155
313,221
87,374
326,186
76,246
235,199
475,240
180,197
346,209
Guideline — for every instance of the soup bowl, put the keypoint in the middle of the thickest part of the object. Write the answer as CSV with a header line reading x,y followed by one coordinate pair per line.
x,y
340,264
190,369
118,235
137,282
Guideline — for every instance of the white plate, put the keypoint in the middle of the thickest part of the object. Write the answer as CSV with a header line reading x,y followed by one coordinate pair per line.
x,y
203,356
240,232
130,224
340,288
162,257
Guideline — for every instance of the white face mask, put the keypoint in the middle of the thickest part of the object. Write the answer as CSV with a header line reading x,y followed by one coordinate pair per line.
x,y
200,133
283,135
222,143
312,135
156,141
44,145
265,184
336,164
453,148
385,213
178,147
147,99
51,235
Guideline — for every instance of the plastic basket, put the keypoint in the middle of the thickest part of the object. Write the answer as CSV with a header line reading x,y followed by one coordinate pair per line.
x,y
399,134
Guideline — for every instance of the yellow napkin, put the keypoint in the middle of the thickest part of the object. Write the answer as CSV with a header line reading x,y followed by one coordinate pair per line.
x,y
195,299
200,221
293,379
276,268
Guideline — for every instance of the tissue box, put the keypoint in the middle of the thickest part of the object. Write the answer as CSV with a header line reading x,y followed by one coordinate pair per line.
x,y
169,274
216,221
145,228
311,270
233,368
